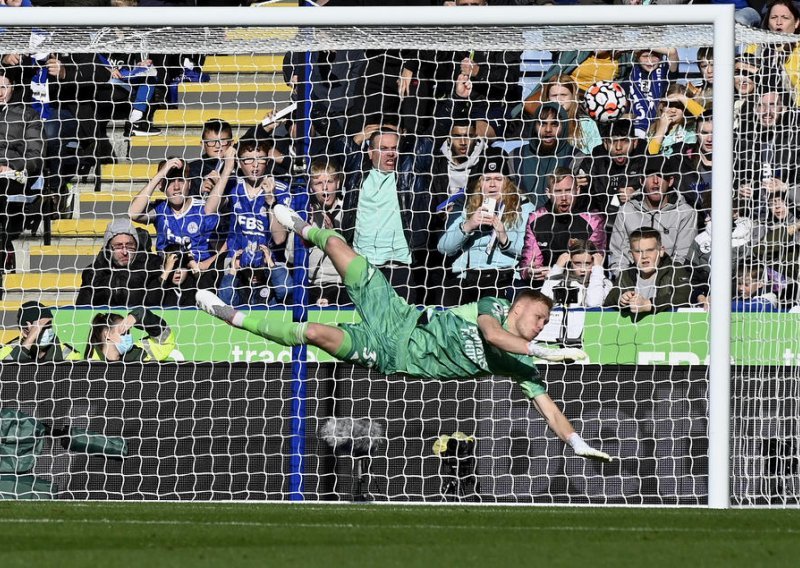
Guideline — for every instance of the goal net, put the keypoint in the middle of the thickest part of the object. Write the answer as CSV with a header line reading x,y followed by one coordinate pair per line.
x,y
463,161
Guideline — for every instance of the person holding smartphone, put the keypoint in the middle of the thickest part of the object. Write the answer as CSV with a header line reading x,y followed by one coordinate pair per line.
x,y
485,240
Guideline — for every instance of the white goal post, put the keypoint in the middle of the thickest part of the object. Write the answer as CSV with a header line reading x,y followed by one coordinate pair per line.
x,y
624,27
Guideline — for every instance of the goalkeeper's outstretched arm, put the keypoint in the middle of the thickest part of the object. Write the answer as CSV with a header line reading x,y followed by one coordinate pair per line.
x,y
564,430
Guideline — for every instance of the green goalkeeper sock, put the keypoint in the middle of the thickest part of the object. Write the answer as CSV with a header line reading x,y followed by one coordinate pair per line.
x,y
288,333
291,333
320,236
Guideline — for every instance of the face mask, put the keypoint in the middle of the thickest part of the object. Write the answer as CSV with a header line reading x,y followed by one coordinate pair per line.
x,y
47,337
125,344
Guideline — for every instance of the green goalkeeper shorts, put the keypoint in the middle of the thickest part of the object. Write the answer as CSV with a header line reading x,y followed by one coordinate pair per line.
x,y
386,321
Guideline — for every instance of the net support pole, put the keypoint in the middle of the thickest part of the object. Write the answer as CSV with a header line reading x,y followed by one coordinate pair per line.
x,y
300,303
719,371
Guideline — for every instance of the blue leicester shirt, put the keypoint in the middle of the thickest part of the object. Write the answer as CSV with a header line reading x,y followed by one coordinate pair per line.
x,y
250,223
191,229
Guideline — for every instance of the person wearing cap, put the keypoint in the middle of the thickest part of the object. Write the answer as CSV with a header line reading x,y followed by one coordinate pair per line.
x,y
256,242
657,204
37,342
383,218
485,239
124,273
179,219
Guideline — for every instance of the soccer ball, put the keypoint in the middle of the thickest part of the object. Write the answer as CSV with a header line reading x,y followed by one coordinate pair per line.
x,y
605,101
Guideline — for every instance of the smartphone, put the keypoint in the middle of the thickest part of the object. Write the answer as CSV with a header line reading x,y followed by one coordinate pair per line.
x,y
489,204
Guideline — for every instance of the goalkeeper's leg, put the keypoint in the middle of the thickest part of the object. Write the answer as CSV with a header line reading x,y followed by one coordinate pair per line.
x,y
328,240
330,339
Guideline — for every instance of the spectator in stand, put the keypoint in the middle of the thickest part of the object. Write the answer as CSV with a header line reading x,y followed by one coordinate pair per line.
x,y
696,182
781,62
204,172
704,92
388,86
486,238
21,147
124,273
384,219
325,211
657,204
752,287
83,87
673,131
585,68
765,163
777,247
179,219
616,170
547,150
136,74
746,82
648,83
578,279
256,256
59,127
563,219
483,86
179,278
698,259
110,338
335,76
583,131
37,341
455,160
653,284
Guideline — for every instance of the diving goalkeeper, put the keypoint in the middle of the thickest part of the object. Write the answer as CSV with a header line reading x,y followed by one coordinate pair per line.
x,y
491,336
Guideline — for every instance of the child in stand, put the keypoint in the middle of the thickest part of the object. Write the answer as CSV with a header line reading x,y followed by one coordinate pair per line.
x,y
649,81
578,278
753,293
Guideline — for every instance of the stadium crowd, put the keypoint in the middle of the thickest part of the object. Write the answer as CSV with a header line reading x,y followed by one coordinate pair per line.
x,y
441,168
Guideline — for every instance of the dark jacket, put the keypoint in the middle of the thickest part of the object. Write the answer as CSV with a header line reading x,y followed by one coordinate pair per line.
x,y
415,206
672,289
138,284
21,141
533,164
607,178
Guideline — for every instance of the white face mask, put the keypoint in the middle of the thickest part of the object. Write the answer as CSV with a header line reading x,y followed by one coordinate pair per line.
x,y
47,337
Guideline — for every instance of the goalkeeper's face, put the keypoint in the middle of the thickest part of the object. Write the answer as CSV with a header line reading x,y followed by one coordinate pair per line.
x,y
528,317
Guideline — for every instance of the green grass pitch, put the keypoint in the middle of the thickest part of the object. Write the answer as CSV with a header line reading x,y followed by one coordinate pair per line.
x,y
231,535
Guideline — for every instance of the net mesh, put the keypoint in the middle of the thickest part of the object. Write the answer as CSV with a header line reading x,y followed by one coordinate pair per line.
x,y
580,135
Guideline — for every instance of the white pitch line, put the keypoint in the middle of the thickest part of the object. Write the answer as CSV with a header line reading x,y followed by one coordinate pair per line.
x,y
549,528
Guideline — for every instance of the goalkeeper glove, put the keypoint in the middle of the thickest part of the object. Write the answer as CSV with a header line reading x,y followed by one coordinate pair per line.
x,y
584,450
556,355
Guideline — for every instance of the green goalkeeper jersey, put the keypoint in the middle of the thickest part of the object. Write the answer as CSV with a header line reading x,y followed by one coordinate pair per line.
x,y
450,346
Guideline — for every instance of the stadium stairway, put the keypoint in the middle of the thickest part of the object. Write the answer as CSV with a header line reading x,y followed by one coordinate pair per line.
x,y
243,90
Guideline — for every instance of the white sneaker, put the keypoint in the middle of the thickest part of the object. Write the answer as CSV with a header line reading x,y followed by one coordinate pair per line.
x,y
210,303
289,218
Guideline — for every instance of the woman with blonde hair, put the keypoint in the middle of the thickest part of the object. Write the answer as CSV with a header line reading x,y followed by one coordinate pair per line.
x,y
485,240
